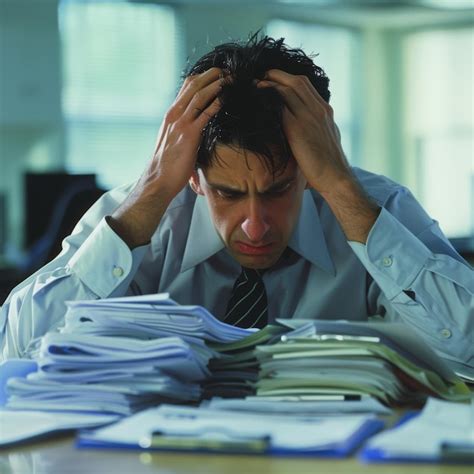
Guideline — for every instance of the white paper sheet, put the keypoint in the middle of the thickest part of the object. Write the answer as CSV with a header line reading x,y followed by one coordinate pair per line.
x,y
299,405
423,436
148,316
16,426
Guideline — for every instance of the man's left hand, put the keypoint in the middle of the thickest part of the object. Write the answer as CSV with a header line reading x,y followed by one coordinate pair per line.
x,y
315,142
309,126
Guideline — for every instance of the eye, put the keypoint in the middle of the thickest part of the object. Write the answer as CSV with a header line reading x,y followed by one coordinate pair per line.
x,y
229,195
280,189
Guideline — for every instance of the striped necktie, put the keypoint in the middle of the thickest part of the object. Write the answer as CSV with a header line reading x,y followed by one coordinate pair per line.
x,y
248,303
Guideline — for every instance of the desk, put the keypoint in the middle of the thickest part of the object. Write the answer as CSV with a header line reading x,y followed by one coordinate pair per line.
x,y
58,456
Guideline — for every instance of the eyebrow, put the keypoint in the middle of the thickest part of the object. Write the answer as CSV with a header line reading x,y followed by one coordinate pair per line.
x,y
272,188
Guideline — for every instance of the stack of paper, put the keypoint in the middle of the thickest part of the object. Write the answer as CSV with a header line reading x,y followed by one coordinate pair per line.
x,y
121,355
382,360
235,371
205,429
110,374
148,317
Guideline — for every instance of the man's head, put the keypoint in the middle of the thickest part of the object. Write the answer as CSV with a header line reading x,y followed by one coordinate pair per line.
x,y
251,118
245,168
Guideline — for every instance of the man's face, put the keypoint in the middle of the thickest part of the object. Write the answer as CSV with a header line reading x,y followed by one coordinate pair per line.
x,y
253,212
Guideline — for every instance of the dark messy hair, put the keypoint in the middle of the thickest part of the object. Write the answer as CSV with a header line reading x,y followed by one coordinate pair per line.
x,y
251,118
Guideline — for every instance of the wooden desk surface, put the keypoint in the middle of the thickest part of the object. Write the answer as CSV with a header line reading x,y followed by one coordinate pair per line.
x,y
59,456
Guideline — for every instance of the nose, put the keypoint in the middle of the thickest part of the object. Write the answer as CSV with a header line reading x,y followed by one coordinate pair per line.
x,y
255,224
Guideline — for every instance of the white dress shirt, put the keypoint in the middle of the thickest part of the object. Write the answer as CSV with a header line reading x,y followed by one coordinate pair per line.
x,y
407,271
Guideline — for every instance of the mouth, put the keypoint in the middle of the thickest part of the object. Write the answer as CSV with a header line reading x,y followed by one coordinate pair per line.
x,y
248,249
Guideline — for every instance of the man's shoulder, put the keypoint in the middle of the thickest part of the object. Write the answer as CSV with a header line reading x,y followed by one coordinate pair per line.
x,y
186,197
377,186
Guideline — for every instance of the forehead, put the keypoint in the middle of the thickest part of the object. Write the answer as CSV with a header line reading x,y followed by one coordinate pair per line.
x,y
236,164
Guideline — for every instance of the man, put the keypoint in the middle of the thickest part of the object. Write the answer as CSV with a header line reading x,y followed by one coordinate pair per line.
x,y
274,222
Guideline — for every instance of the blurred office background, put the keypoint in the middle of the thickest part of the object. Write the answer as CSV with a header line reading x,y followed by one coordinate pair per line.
x,y
84,86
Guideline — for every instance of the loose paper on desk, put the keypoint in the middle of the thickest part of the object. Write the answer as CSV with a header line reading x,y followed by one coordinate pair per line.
x,y
18,426
422,437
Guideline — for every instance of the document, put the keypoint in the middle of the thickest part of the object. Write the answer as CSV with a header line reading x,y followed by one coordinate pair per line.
x,y
322,405
147,317
443,431
19,426
342,358
235,371
115,375
393,335
121,355
204,429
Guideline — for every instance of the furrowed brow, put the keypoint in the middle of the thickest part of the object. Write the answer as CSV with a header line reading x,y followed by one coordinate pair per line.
x,y
279,185
224,188
272,188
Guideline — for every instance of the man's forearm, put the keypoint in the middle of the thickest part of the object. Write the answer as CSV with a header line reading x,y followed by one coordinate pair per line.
x,y
136,220
353,208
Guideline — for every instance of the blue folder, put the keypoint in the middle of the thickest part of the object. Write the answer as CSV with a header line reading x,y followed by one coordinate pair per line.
x,y
375,455
14,368
449,453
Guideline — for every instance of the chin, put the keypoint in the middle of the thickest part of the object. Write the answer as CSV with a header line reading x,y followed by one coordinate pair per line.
x,y
256,262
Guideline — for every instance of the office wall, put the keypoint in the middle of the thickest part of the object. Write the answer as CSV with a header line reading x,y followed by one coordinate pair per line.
x,y
30,99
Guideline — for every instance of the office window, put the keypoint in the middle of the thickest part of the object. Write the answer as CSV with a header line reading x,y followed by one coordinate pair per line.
x,y
337,50
439,125
120,73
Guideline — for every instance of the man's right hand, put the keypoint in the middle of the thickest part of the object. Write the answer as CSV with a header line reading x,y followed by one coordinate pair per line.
x,y
173,161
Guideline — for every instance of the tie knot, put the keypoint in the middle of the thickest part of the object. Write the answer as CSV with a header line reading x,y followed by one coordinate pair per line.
x,y
247,306
252,274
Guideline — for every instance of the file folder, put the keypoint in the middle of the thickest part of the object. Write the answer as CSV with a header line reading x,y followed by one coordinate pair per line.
x,y
443,432
197,429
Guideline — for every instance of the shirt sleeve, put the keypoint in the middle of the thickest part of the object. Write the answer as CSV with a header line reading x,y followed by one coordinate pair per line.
x,y
94,263
418,278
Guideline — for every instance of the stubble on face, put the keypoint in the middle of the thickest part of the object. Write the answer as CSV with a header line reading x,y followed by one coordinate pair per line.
x,y
239,181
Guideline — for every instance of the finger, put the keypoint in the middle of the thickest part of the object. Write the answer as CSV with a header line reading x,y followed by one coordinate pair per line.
x,y
201,79
301,84
265,83
201,99
208,113
194,83
291,99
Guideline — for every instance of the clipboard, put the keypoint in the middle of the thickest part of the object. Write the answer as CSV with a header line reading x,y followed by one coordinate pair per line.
x,y
248,446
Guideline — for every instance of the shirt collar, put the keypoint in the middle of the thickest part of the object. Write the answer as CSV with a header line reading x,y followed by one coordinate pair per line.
x,y
307,240
203,240
308,237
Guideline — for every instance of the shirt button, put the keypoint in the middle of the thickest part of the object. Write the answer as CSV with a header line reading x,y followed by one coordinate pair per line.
x,y
446,333
117,272
387,261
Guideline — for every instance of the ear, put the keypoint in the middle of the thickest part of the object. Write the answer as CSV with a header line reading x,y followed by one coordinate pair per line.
x,y
195,183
